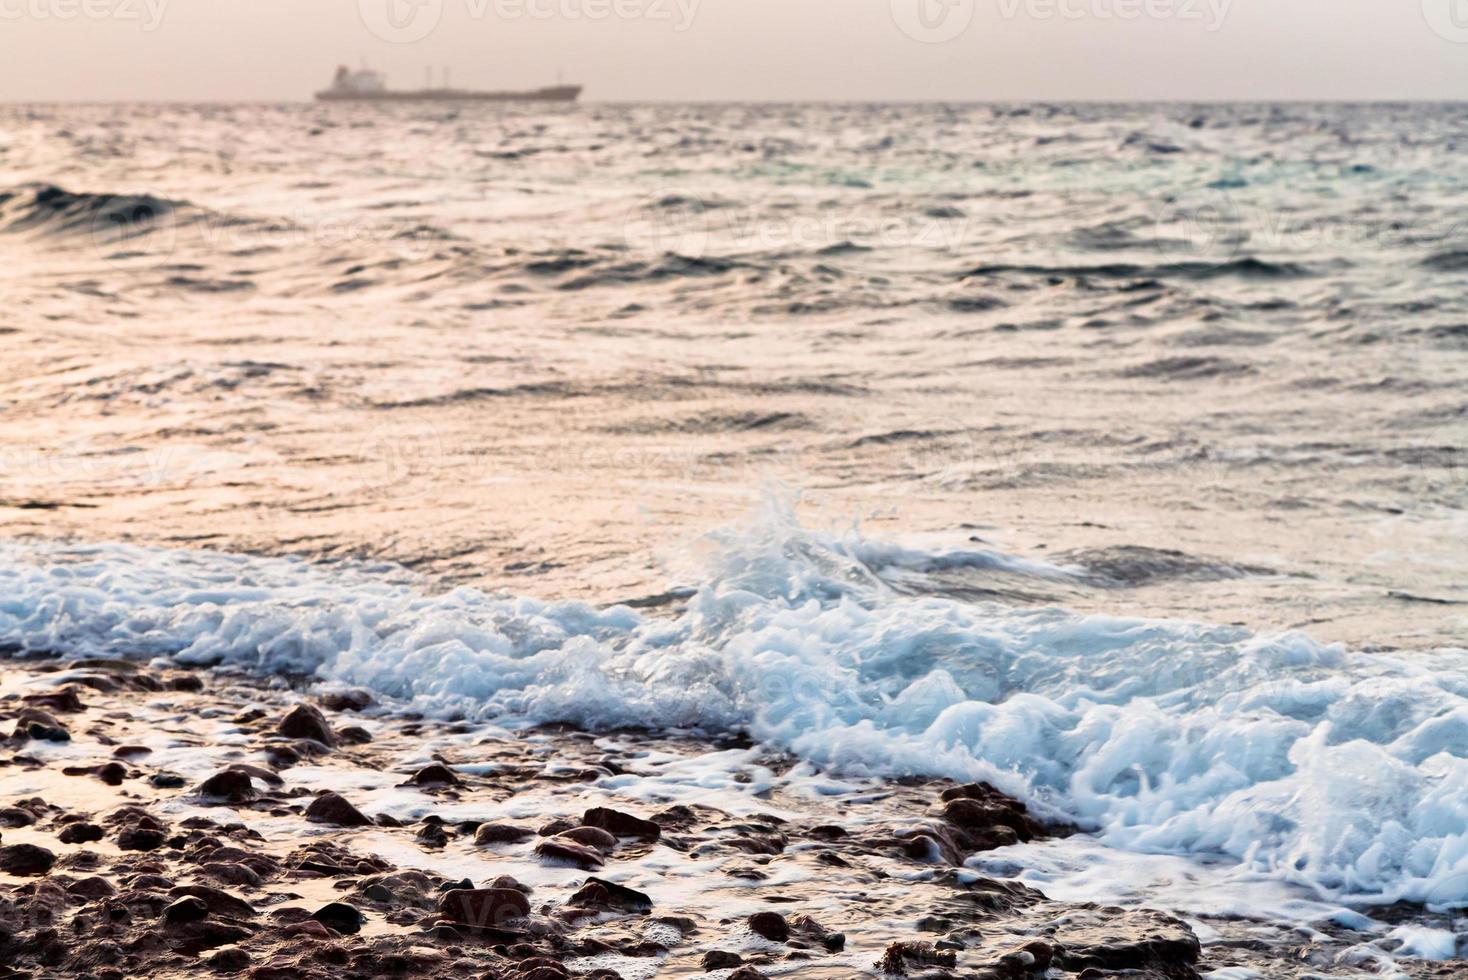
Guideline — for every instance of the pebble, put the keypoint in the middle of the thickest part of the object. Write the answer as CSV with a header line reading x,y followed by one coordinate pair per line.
x,y
560,849
186,909
26,859
332,808
434,775
771,925
230,785
621,824
341,917
140,839
304,721
80,833
501,833
484,907
591,837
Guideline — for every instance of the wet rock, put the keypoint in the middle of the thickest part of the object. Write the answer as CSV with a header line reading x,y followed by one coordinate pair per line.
x,y
33,723
341,917
899,956
484,908
352,700
1032,957
332,808
505,881
67,700
131,751
14,816
140,838
621,824
598,893
80,833
95,887
195,937
186,909
113,773
150,881
307,927
569,852
432,834
230,959
718,959
810,931
978,807
353,735
1110,939
228,785
771,925
746,973
434,775
26,859
501,833
166,780
282,756
682,923
231,873
558,826
593,837
304,721
218,902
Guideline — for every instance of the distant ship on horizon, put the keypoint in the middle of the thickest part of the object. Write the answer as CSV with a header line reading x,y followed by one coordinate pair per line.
x,y
366,85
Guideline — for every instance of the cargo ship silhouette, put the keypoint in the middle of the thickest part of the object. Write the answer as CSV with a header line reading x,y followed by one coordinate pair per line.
x,y
366,85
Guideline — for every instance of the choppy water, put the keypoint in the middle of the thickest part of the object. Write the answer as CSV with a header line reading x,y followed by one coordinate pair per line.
x,y
1106,374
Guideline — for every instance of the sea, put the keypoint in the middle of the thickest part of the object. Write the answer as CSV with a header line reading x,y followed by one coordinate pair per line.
x,y
1114,454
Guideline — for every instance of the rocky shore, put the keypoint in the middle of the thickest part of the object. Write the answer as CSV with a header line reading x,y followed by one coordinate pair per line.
x,y
157,822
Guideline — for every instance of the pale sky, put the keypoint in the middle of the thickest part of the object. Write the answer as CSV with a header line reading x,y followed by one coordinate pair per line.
x,y
118,50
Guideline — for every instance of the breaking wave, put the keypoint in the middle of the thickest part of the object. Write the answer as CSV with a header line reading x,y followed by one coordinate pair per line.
x,y
1338,770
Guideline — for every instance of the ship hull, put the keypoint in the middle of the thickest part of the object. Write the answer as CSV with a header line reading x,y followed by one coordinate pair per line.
x,y
558,93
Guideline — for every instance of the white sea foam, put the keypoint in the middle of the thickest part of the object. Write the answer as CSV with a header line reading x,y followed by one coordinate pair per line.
x,y
1337,770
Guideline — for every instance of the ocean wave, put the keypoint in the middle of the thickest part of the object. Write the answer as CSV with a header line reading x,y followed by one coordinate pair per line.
x,y
42,207
1246,267
1338,770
